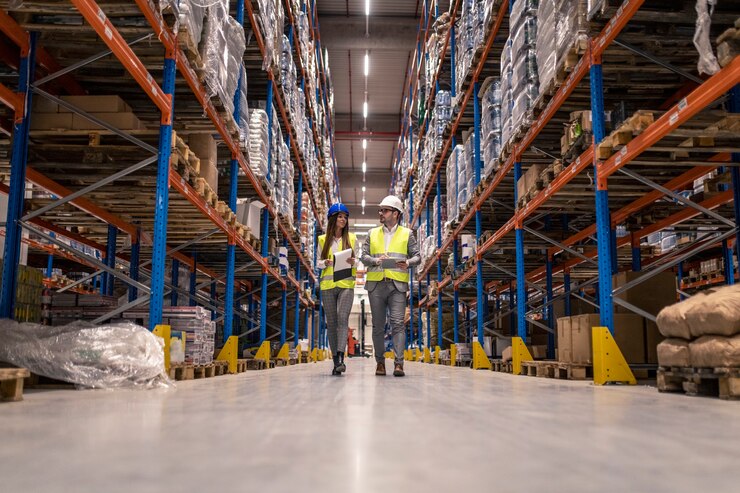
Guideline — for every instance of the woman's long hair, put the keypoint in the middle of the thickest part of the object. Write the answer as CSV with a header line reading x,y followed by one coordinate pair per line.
x,y
329,239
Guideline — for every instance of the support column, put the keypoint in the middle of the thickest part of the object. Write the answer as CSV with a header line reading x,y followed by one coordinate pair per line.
x,y
603,220
734,107
549,310
456,296
266,220
50,260
636,254
159,249
439,259
193,280
299,216
214,296
410,338
521,286
729,263
175,277
566,287
679,276
18,161
480,308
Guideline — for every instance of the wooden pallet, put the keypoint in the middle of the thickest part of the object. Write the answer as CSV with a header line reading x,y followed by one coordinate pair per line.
x,y
629,129
500,365
241,365
557,369
221,367
11,384
721,382
182,371
728,45
205,371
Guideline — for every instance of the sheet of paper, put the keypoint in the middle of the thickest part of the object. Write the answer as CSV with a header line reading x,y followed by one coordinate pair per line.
x,y
342,268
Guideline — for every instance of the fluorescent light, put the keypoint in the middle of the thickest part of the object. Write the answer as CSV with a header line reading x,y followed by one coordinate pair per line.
x,y
364,225
361,233
364,109
363,203
367,64
367,7
364,143
364,170
363,188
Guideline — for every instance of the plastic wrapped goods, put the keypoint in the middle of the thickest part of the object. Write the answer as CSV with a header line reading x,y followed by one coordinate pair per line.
x,y
122,355
222,51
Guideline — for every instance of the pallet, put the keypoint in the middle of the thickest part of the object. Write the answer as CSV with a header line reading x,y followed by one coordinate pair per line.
x,y
205,371
628,130
182,371
221,367
718,382
241,365
11,384
501,366
557,369
728,45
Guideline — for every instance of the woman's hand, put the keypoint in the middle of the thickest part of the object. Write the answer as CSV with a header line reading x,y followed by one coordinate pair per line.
x,y
328,262
351,261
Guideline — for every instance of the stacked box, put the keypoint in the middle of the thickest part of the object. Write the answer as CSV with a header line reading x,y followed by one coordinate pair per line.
x,y
222,50
70,307
271,19
454,163
507,96
561,24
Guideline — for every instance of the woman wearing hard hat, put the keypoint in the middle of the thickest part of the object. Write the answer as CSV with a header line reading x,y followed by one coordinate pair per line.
x,y
337,296
388,282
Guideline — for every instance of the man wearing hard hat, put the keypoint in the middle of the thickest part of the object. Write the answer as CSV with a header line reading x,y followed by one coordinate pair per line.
x,y
387,282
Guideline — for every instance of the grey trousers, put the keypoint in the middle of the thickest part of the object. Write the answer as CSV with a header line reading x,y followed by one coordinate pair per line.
x,y
337,304
387,296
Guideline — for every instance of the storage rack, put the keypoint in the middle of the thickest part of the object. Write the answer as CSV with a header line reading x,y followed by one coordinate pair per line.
x,y
642,178
95,199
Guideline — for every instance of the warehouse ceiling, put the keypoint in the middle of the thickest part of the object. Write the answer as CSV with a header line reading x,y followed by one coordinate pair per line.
x,y
388,36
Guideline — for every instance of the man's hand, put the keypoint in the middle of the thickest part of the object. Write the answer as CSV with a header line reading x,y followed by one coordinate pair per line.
x,y
329,262
379,260
351,261
402,264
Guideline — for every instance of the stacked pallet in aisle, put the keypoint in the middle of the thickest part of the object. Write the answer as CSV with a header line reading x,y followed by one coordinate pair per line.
x,y
702,351
68,307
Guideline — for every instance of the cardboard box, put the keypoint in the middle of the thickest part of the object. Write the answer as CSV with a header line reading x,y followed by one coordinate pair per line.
x,y
204,146
49,121
575,343
653,338
121,121
539,351
97,104
652,295
42,105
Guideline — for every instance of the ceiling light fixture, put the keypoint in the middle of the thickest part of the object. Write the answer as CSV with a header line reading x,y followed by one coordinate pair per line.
x,y
364,109
367,64
367,7
363,188
364,170
364,143
363,202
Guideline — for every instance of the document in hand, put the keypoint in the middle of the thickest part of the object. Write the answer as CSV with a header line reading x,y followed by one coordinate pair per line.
x,y
342,268
389,263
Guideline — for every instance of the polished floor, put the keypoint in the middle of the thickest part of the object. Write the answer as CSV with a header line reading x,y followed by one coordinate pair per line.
x,y
438,429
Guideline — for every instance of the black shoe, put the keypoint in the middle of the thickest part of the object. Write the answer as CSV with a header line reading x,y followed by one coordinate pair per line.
x,y
336,371
341,367
398,371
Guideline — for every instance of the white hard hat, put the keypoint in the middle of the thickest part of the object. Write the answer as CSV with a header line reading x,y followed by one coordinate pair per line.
x,y
393,202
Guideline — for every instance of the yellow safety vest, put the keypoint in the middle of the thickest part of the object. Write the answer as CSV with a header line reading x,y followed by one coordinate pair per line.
x,y
327,274
398,248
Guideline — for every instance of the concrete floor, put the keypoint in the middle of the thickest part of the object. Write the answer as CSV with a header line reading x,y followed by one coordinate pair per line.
x,y
437,429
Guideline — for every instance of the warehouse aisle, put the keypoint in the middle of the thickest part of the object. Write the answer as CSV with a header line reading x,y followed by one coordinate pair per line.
x,y
438,429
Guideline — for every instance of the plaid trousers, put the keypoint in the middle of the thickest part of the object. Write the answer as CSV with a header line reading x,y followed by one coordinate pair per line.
x,y
337,304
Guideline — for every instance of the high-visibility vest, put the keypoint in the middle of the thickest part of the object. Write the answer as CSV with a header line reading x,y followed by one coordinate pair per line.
x,y
398,248
327,274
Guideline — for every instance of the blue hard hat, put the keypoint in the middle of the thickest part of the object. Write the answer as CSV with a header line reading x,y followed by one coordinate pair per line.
x,y
337,208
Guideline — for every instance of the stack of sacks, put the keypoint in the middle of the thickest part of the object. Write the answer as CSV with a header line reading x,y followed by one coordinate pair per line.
x,y
491,125
222,51
703,331
525,84
258,142
453,187
561,24
271,19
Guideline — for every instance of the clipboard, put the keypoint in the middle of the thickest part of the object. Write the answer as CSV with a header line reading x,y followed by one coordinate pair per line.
x,y
342,268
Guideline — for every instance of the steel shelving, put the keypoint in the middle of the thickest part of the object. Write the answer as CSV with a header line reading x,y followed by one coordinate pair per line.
x,y
191,216
644,177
